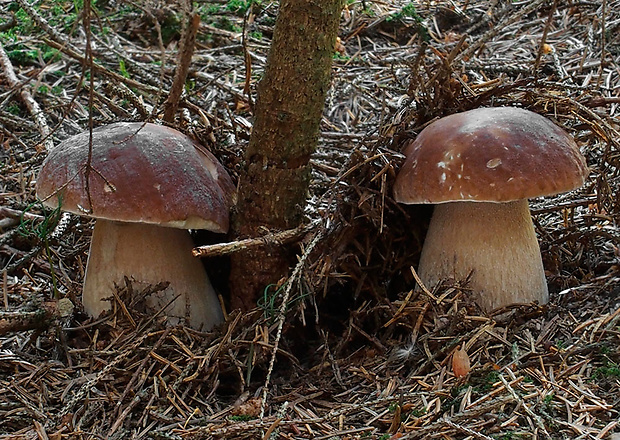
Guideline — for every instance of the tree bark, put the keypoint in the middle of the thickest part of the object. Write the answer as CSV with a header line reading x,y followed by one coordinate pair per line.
x,y
274,182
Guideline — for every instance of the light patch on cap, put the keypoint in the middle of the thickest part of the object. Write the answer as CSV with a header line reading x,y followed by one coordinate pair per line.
x,y
209,165
449,155
494,163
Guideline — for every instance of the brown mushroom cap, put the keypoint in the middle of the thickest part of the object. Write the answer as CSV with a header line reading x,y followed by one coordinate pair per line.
x,y
492,155
140,173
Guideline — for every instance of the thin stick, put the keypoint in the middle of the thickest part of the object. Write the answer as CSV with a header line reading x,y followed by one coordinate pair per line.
x,y
282,315
543,39
273,426
102,70
5,289
17,214
531,413
40,318
88,63
184,60
479,42
278,238
599,79
29,101
422,285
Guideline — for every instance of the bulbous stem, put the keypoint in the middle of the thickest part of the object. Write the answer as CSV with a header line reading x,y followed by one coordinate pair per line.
x,y
495,243
149,254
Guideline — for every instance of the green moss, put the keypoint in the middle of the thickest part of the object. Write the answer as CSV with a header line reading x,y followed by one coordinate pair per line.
x,y
609,370
226,24
241,418
13,108
49,54
170,28
240,7
489,380
407,11
22,55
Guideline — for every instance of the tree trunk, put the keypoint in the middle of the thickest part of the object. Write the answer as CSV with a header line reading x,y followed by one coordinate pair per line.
x,y
274,181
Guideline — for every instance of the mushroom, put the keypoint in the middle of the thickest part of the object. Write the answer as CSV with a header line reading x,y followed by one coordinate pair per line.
x,y
480,167
146,185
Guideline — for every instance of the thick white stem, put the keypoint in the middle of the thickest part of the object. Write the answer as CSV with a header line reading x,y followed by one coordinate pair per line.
x,y
495,242
150,254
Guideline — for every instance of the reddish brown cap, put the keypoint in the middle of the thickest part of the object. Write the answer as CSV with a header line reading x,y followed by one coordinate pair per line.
x,y
140,173
489,155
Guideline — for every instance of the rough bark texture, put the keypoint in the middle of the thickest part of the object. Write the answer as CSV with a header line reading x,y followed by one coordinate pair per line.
x,y
291,96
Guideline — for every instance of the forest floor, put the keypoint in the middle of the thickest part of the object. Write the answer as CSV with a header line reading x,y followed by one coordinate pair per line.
x,y
358,354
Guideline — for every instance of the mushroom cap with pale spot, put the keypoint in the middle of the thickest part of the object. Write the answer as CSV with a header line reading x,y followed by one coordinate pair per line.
x,y
489,155
142,173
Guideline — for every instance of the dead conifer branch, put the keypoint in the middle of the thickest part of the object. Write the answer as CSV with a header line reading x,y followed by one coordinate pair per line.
x,y
43,24
495,30
15,321
86,388
275,239
293,279
101,69
488,407
33,107
184,60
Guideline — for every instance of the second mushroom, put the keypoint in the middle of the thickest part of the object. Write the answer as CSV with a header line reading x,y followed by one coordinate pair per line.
x,y
479,167
146,185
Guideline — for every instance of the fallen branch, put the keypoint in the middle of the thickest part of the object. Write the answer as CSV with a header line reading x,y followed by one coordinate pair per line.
x,y
102,70
188,43
31,104
278,238
499,27
17,214
12,217
40,318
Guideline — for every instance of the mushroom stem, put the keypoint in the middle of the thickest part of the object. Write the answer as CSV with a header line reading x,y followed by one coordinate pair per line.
x,y
150,254
498,239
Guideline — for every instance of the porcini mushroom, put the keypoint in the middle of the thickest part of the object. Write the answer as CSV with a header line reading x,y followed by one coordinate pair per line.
x,y
479,167
147,185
